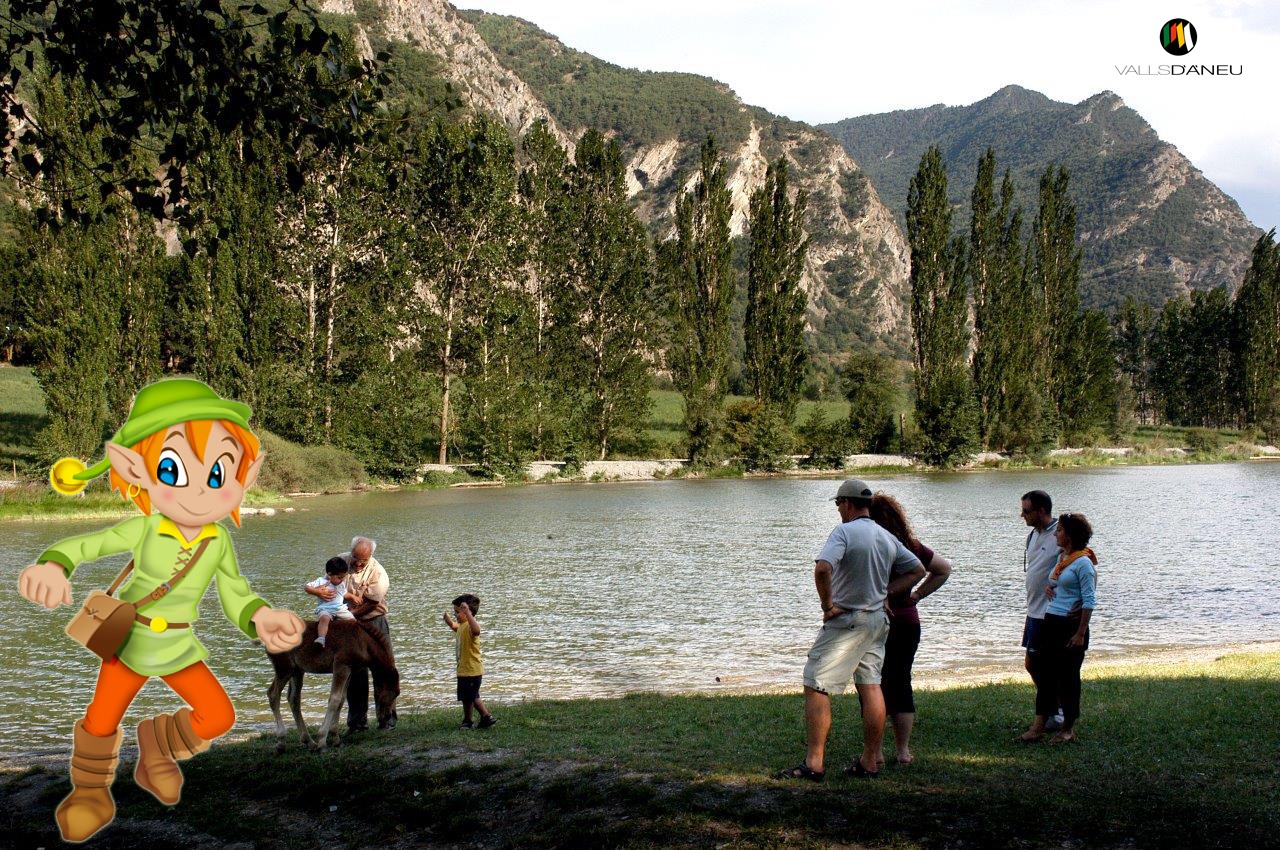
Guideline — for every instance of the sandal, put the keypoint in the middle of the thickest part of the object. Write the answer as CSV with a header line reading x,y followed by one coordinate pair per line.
x,y
859,771
802,771
1067,738
1029,737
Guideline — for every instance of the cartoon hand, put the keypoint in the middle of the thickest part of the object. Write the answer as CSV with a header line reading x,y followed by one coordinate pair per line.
x,y
45,584
278,630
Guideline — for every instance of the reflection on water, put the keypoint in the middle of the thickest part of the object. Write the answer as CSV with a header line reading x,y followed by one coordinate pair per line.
x,y
592,590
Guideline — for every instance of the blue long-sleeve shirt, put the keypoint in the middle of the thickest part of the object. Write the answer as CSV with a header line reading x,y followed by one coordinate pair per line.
x,y
1074,588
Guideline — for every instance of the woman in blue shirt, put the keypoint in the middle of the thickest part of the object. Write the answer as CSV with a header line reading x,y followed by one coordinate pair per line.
x,y
1064,637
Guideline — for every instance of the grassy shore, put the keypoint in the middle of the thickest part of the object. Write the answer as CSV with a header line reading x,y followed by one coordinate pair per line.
x,y
1171,755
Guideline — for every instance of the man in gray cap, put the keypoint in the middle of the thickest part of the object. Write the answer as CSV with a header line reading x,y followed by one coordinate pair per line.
x,y
860,565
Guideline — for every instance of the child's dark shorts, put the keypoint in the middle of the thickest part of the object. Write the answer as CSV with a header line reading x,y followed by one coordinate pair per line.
x,y
468,688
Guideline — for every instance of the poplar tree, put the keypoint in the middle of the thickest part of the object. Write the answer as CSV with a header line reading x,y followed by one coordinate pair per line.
x,y
543,189
605,301
990,356
1257,330
458,201
1010,324
697,266
774,328
945,409
1134,329
1056,273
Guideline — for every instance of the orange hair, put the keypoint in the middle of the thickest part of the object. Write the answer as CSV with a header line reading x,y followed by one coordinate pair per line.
x,y
197,432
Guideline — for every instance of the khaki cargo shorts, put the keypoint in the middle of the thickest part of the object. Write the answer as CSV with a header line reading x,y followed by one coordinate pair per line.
x,y
850,646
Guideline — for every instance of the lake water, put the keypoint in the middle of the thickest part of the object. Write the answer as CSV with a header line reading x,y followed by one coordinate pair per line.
x,y
595,590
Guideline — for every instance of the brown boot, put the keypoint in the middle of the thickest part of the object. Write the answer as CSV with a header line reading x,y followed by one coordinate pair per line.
x,y
163,741
89,807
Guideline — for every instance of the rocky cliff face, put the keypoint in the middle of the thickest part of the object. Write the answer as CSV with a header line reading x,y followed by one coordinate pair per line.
x,y
1151,224
434,26
858,262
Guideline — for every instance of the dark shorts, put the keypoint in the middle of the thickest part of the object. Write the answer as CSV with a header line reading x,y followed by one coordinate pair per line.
x,y
468,688
1031,634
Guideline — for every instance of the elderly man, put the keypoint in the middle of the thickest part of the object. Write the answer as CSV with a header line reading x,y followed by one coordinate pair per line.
x,y
366,597
860,566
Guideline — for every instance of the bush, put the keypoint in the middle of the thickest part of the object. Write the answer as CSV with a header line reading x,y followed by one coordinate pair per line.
x,y
1203,441
290,468
824,443
498,461
871,388
760,435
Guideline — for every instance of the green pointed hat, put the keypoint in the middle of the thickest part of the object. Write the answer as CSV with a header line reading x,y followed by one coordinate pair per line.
x,y
156,407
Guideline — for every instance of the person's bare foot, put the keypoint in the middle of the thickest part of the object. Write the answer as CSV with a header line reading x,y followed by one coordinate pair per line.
x,y
879,762
1067,736
1032,735
905,757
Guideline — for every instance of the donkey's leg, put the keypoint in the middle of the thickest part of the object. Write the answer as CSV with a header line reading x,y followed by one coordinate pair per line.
x,y
337,696
273,697
295,705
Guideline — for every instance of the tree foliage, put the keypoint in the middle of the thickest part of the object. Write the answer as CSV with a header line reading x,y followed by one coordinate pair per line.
x,y
776,354
697,267
945,408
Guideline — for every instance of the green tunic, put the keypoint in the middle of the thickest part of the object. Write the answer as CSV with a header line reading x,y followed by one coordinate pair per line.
x,y
156,544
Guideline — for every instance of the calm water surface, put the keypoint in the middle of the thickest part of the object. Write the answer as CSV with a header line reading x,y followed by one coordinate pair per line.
x,y
591,590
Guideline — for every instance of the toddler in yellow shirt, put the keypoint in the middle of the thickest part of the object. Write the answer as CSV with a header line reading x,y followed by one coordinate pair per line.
x,y
470,664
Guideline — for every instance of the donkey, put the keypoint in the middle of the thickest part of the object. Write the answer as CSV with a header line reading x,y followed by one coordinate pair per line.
x,y
350,645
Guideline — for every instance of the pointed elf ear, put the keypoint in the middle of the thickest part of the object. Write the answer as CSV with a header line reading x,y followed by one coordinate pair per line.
x,y
251,474
129,465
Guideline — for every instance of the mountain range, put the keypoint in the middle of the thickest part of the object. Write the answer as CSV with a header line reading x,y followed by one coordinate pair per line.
x,y
1151,224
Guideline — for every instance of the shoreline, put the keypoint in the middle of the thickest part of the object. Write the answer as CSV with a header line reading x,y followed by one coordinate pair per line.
x,y
631,471
936,680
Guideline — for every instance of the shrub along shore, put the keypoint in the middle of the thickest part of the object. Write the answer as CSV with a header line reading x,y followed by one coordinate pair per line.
x,y
1170,754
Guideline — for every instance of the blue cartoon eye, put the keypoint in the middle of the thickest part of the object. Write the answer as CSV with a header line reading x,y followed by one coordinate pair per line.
x,y
169,469
216,475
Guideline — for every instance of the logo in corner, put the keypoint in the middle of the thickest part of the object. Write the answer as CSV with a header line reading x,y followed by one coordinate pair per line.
x,y
1178,37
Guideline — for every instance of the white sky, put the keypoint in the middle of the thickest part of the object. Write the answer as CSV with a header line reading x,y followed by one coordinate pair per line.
x,y
823,60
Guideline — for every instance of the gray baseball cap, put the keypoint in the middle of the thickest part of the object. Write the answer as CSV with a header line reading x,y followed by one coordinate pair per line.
x,y
853,488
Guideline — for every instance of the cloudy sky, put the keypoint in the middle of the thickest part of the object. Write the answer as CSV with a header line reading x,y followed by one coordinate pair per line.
x,y
823,60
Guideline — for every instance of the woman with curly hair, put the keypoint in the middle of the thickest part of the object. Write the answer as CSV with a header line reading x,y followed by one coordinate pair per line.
x,y
904,623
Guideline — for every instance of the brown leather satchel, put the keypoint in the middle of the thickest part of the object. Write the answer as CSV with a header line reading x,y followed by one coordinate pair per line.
x,y
103,622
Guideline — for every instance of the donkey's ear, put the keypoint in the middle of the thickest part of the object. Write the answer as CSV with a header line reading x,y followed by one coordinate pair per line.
x,y
129,465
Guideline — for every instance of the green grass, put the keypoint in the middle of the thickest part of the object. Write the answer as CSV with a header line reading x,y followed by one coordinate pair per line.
x,y
664,430
1171,755
22,415
667,411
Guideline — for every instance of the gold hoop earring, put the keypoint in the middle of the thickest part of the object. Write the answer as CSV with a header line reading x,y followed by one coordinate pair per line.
x,y
133,491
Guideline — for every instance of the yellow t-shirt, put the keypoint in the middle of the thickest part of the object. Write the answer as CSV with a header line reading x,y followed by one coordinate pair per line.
x,y
469,661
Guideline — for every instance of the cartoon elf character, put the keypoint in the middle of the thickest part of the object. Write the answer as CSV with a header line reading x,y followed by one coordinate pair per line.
x,y
189,454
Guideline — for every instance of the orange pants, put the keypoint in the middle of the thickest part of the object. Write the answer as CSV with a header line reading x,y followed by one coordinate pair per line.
x,y
212,713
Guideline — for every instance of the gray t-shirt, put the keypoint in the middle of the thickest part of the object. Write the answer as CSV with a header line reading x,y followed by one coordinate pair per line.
x,y
1043,553
863,556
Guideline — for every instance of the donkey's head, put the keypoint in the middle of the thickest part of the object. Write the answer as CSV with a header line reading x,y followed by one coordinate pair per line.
x,y
386,688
